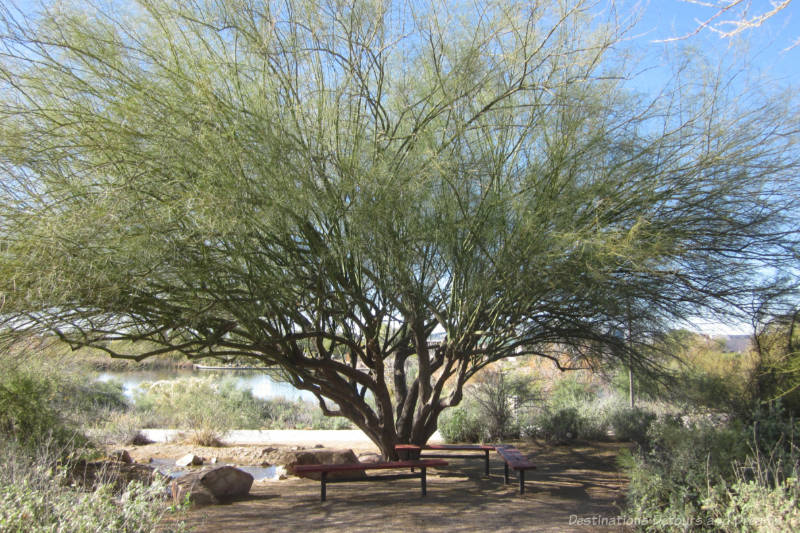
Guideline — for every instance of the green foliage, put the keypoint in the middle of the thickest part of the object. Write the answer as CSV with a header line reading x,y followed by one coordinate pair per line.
x,y
696,373
40,402
462,424
201,405
571,391
749,506
503,399
777,374
497,409
35,496
571,411
26,412
631,424
208,408
560,425
671,479
732,477
43,410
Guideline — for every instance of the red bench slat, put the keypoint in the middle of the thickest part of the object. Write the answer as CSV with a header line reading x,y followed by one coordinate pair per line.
x,y
453,447
514,458
368,466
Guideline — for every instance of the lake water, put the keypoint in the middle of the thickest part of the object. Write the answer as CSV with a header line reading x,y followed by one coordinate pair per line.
x,y
259,383
259,473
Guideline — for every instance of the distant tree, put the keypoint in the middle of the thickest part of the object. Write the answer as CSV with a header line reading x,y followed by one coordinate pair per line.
x,y
322,186
777,376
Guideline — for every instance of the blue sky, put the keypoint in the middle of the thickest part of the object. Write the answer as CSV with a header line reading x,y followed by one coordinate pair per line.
x,y
663,19
765,47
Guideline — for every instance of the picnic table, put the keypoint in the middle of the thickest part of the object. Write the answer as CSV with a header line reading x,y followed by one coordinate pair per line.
x,y
325,469
412,451
513,459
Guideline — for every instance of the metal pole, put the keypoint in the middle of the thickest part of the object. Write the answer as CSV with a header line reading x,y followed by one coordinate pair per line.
x,y
324,479
423,478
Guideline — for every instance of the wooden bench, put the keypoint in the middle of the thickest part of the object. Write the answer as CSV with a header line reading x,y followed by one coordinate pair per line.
x,y
514,459
323,470
412,451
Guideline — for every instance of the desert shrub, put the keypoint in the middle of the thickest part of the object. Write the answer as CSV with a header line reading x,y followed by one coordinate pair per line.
x,y
671,477
320,421
501,400
559,425
35,407
36,496
569,391
25,410
752,506
572,410
496,408
201,405
631,424
113,426
209,408
462,424
42,408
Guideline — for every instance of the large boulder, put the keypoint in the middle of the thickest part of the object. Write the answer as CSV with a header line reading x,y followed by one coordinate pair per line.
x,y
212,486
317,456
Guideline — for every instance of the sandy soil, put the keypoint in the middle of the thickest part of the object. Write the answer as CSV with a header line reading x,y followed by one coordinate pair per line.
x,y
575,488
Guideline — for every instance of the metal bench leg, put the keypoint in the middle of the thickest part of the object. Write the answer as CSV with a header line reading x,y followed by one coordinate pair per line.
x,y
505,472
487,461
521,475
424,480
323,479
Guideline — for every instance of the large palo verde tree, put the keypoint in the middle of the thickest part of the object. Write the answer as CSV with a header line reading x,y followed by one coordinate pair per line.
x,y
378,198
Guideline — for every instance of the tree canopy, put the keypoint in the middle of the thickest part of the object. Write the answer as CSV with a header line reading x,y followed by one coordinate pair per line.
x,y
378,198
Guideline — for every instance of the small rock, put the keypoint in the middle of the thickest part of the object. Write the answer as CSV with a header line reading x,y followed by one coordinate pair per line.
x,y
370,457
281,474
121,455
189,459
318,446
213,460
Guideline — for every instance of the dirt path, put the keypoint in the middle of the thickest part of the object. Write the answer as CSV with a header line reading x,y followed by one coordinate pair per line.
x,y
574,489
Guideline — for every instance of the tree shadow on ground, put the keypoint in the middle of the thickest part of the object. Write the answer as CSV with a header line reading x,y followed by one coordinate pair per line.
x,y
580,482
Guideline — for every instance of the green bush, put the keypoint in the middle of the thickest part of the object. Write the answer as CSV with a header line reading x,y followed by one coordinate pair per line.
x,y
572,411
201,405
25,407
569,391
497,409
560,425
631,424
209,408
501,400
462,424
34,407
753,506
36,496
672,477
